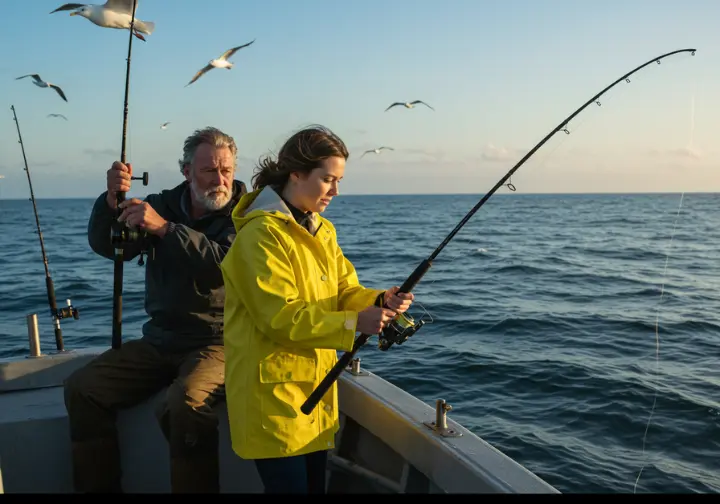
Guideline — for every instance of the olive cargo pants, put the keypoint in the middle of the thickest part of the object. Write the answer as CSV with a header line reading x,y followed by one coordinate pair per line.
x,y
122,378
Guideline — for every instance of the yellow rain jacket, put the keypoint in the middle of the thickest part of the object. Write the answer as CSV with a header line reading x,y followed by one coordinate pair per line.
x,y
291,301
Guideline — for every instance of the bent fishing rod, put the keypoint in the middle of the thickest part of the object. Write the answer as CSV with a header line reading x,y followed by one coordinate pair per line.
x,y
120,234
403,326
56,313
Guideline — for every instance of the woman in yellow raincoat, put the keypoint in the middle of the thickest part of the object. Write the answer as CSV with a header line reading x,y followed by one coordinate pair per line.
x,y
292,300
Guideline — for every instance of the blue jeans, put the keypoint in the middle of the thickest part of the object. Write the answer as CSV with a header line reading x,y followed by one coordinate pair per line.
x,y
300,474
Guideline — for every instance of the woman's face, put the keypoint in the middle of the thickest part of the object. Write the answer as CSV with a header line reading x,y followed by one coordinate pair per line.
x,y
313,191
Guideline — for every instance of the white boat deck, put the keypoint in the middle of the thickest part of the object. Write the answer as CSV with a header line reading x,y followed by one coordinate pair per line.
x,y
384,444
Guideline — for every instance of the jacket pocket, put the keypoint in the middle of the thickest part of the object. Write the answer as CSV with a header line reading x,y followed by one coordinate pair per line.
x,y
282,367
286,379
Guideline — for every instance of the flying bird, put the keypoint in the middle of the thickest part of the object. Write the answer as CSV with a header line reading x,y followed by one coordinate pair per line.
x,y
376,151
112,14
409,105
221,62
41,83
58,115
164,125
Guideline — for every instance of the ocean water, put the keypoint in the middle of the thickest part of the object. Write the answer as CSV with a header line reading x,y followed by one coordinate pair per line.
x,y
543,317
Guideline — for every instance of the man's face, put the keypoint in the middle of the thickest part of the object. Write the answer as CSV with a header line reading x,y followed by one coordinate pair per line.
x,y
211,176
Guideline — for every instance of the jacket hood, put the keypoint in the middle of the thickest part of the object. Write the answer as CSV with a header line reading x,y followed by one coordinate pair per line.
x,y
173,198
262,202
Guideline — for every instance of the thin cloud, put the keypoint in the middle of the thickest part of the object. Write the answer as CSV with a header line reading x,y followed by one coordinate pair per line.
x,y
495,154
100,153
397,153
33,165
433,154
44,164
681,152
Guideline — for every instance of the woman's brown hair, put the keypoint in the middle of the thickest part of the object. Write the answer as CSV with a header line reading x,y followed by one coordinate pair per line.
x,y
302,152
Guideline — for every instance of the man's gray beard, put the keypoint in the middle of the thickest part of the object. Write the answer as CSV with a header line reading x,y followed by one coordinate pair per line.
x,y
212,199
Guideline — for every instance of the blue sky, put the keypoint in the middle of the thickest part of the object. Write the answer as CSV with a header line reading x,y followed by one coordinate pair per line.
x,y
500,75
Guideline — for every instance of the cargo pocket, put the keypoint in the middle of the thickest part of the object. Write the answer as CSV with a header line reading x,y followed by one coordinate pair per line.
x,y
286,380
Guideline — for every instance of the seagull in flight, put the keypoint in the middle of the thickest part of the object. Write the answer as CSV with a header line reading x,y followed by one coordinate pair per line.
x,y
376,151
409,105
41,83
112,14
221,62
58,115
164,125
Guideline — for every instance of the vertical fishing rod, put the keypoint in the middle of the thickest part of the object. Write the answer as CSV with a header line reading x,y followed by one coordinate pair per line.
x,y
402,327
55,313
120,234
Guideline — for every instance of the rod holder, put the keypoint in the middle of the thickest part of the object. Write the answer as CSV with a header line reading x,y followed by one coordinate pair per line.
x,y
354,368
33,335
440,424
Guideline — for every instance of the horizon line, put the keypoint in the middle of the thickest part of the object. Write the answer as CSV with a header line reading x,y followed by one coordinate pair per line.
x,y
443,194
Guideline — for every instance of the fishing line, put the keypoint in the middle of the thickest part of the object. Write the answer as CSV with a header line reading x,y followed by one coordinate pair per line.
x,y
657,340
691,141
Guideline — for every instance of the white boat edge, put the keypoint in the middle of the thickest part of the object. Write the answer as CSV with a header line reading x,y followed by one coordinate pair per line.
x,y
388,441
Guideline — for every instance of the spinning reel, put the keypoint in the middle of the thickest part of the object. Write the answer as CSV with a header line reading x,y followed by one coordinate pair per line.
x,y
121,234
67,312
399,330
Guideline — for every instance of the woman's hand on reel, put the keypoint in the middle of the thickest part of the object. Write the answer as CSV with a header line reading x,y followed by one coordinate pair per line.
x,y
373,319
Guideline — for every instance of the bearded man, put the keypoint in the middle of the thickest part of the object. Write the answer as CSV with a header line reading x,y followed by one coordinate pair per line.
x,y
189,231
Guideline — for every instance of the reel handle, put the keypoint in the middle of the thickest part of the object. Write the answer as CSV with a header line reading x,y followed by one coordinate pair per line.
x,y
144,178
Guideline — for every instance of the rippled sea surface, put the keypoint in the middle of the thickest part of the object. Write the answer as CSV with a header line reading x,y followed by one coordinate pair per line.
x,y
543,309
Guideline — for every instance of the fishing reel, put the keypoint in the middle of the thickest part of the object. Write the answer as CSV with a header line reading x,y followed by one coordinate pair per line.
x,y
121,235
63,313
398,331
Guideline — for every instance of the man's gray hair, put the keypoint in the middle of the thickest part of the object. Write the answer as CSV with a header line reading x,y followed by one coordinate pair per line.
x,y
211,136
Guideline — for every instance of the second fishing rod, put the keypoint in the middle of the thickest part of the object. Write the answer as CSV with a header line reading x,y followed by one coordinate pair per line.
x,y
56,314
